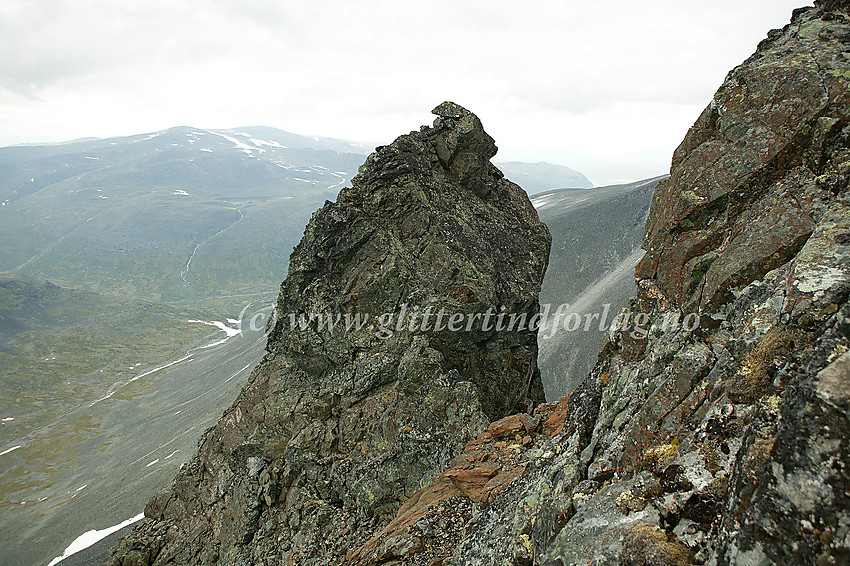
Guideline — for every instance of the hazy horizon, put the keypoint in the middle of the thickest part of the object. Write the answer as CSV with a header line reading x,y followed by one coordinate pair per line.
x,y
606,89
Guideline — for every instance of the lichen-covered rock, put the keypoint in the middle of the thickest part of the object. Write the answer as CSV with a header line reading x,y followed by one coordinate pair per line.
x,y
751,176
647,545
722,443
347,416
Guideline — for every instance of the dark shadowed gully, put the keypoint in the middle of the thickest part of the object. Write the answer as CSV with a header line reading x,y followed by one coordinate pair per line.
x,y
725,444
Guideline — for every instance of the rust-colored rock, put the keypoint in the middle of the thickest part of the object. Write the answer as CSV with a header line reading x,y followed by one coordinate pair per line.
x,y
512,425
477,475
473,481
556,420
734,206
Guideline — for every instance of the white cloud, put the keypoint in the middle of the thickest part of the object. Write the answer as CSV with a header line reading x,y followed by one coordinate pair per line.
x,y
608,88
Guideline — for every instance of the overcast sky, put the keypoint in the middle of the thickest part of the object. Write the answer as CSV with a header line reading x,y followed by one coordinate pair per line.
x,y
606,87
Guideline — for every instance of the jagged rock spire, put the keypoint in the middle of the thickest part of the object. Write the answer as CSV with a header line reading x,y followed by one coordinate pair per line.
x,y
341,422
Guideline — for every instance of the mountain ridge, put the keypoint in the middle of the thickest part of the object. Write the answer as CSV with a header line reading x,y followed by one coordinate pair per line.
x,y
150,205
722,442
420,229
115,249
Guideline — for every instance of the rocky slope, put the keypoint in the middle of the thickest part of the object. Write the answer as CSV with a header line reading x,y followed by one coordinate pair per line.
x,y
592,274
718,443
337,428
724,443
101,400
145,221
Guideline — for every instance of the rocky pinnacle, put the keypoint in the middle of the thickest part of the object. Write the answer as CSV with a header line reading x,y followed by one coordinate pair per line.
x,y
338,426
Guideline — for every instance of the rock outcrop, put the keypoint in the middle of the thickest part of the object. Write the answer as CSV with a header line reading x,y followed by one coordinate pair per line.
x,y
744,192
723,442
347,417
712,430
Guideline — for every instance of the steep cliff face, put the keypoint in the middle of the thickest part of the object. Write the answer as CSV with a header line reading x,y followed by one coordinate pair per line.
x,y
592,274
722,442
338,426
718,443
751,162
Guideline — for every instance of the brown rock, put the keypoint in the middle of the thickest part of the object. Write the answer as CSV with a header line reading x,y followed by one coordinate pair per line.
x,y
554,423
513,425
647,545
473,482
731,210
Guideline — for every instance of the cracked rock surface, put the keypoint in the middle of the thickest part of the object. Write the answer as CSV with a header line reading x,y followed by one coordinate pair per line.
x,y
720,444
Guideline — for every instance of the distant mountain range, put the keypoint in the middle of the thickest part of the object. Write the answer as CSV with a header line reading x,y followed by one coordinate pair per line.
x,y
108,249
722,440
541,176
182,214
166,216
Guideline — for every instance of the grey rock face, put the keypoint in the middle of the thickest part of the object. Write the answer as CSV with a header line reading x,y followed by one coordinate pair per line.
x,y
338,426
723,443
463,146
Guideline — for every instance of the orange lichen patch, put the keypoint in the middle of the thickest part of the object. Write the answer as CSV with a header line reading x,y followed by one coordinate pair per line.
x,y
472,482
